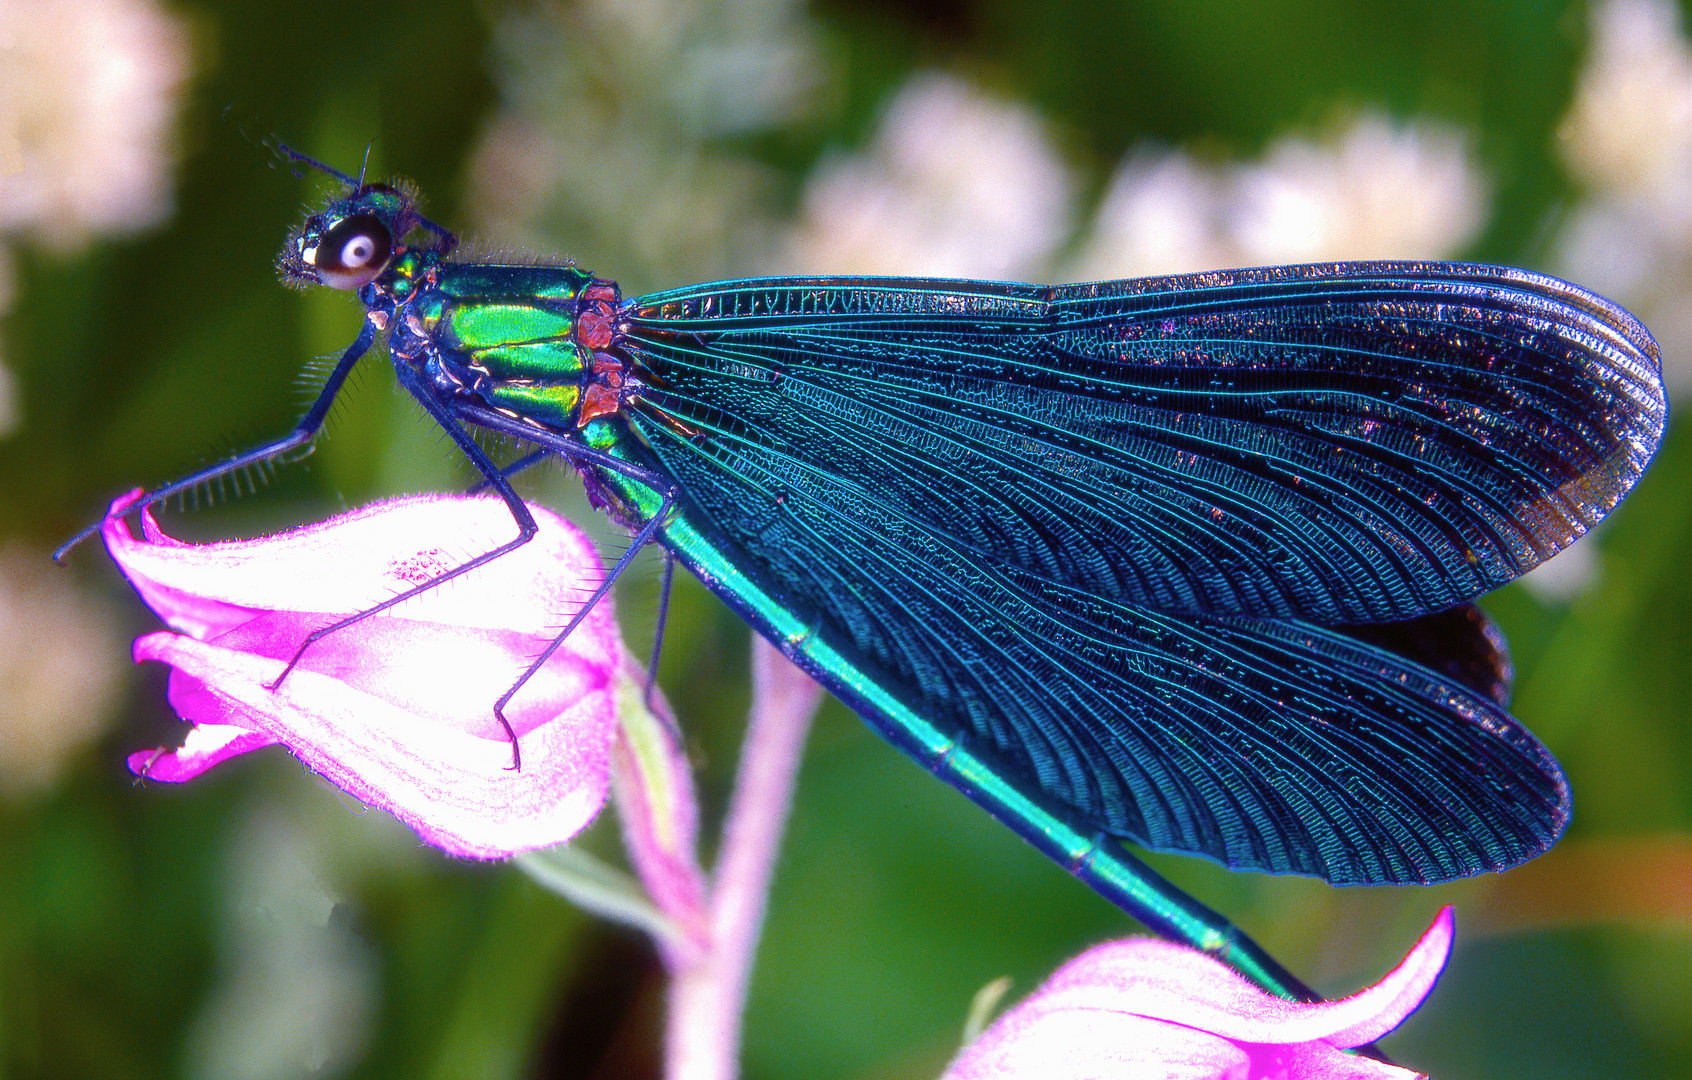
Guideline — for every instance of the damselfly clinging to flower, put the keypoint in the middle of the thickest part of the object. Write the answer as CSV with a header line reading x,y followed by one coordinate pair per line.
x,y
1181,561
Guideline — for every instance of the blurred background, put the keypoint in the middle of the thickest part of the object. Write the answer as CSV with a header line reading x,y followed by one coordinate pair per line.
x,y
257,924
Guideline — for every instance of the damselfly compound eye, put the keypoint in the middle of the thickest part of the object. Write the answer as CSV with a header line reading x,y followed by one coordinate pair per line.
x,y
352,253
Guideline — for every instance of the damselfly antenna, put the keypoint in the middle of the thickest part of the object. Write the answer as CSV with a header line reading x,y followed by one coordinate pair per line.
x,y
305,159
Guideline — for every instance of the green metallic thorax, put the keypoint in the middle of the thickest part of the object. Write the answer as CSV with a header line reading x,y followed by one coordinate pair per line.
x,y
523,339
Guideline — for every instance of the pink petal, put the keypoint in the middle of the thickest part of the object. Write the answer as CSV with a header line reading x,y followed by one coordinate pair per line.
x,y
1170,982
1077,1044
1147,1007
1369,1014
206,745
451,674
351,562
454,787
1322,1061
397,708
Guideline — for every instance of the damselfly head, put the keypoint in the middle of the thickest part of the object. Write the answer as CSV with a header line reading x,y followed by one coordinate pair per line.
x,y
350,242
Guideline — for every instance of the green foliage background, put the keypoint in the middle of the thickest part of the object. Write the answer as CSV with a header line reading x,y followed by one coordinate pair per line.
x,y
896,900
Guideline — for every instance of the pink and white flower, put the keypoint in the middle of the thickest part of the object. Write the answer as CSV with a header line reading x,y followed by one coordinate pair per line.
x,y
396,709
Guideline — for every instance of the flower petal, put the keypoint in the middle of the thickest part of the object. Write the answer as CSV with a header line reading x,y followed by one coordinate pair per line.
x,y
397,708
1163,981
1368,1014
455,788
1074,1044
206,745
356,560
1153,1008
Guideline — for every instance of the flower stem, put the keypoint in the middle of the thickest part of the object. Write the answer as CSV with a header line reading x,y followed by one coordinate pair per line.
x,y
708,995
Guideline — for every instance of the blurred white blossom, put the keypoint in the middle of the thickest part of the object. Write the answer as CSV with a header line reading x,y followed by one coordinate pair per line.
x,y
89,91
954,184
298,989
1375,190
1629,130
1628,139
1163,213
1566,574
608,141
62,662
1372,189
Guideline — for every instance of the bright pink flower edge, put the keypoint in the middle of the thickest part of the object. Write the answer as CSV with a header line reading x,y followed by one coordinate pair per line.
x,y
1151,1005
396,709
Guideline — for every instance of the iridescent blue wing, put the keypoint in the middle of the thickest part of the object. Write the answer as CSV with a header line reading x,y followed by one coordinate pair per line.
x,y
1342,444
1461,643
1087,531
